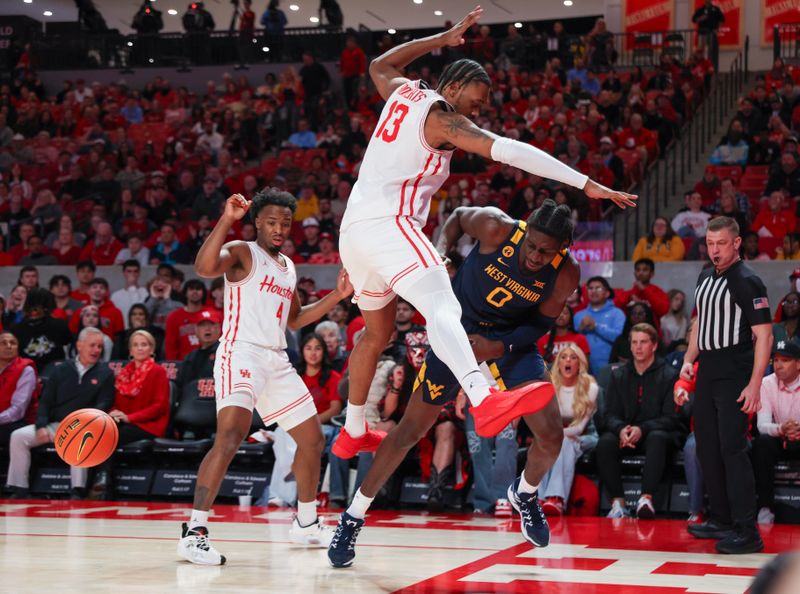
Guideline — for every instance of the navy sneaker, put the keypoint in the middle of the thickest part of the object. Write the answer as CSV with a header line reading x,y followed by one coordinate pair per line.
x,y
533,522
342,549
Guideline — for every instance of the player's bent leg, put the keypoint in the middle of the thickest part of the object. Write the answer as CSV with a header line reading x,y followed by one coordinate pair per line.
x,y
307,529
355,437
416,422
433,296
233,423
548,435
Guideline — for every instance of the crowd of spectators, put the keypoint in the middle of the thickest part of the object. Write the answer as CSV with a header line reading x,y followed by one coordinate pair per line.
x,y
110,175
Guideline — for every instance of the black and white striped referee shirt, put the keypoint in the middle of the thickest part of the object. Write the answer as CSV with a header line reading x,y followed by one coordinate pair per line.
x,y
728,305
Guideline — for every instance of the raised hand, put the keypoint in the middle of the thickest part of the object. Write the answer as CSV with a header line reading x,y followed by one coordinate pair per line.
x,y
236,207
343,284
455,36
599,192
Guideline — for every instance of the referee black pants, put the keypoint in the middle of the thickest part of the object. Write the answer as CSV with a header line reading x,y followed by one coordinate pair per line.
x,y
721,430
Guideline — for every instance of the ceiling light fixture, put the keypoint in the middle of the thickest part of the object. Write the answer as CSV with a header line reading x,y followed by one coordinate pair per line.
x,y
314,19
567,2
47,13
438,12
417,1
172,12
392,31
28,1
294,7
265,49
518,25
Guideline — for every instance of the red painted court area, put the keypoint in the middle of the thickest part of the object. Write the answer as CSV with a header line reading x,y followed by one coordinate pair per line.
x,y
406,552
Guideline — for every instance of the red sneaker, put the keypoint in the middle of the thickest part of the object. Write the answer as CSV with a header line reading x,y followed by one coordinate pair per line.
x,y
346,447
500,408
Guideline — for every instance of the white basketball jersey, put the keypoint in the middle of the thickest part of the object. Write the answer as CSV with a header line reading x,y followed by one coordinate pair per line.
x,y
256,308
400,171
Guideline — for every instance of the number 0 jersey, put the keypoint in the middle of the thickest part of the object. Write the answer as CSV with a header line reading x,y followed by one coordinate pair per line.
x,y
496,295
256,309
400,171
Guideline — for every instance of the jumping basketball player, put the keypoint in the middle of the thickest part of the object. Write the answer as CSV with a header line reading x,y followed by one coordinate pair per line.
x,y
252,369
382,245
512,286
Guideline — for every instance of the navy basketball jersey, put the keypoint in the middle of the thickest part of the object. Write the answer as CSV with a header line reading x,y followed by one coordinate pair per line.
x,y
495,294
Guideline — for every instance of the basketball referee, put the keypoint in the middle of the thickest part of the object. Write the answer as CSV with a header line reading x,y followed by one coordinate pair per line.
x,y
733,338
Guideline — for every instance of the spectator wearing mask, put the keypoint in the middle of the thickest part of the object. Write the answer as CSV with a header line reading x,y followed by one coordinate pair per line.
x,y
19,388
82,382
778,423
640,418
601,322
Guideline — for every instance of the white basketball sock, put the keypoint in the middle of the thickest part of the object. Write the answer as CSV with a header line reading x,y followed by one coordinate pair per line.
x,y
356,421
359,506
306,512
525,486
198,518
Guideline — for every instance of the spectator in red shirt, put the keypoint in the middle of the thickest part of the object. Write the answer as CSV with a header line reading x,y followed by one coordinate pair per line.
x,y
20,250
353,67
562,335
327,253
111,321
65,249
775,221
320,379
709,186
595,168
181,338
103,249
84,272
640,138
643,290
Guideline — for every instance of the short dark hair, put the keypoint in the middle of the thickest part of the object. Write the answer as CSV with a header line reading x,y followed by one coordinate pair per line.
x,y
131,263
38,297
99,281
554,220
463,72
646,329
27,268
60,278
603,281
271,196
86,264
165,266
720,223
195,283
647,261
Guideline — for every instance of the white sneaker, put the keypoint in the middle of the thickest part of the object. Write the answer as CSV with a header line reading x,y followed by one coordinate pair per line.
x,y
765,516
645,509
502,508
314,535
194,547
617,510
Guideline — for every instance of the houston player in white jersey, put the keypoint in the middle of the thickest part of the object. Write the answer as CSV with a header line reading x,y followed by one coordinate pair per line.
x,y
252,369
386,254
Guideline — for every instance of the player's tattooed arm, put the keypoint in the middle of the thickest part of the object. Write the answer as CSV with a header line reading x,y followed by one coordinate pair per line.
x,y
448,128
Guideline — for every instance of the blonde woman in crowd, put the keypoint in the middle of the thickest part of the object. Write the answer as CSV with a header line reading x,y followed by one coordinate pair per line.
x,y
577,399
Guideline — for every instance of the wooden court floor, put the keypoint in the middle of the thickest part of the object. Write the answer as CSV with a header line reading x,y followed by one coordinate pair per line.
x,y
63,547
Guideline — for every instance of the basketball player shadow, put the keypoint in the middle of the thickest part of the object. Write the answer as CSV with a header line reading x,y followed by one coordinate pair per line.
x,y
189,576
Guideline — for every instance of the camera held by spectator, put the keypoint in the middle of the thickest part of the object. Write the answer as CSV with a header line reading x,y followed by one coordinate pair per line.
x,y
147,20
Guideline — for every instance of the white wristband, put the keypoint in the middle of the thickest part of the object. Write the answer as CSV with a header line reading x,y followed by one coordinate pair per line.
x,y
529,158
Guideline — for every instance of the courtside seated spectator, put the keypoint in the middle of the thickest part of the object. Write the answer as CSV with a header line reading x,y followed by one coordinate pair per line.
x,y
42,338
200,362
83,382
733,148
662,244
778,423
640,418
19,387
601,322
693,221
181,337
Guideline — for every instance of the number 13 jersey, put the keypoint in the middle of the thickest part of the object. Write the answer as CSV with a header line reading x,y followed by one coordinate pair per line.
x,y
256,309
400,171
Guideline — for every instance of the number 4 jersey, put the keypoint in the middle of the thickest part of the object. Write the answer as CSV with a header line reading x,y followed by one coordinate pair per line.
x,y
400,171
256,309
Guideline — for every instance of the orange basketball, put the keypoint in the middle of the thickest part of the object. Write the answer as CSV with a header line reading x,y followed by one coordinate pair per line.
x,y
86,438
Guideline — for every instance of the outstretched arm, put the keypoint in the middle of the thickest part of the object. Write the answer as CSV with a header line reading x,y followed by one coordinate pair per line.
x,y
385,70
300,316
489,225
443,127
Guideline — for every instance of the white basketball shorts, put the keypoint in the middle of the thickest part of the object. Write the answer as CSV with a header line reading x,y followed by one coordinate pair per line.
x,y
384,257
256,377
